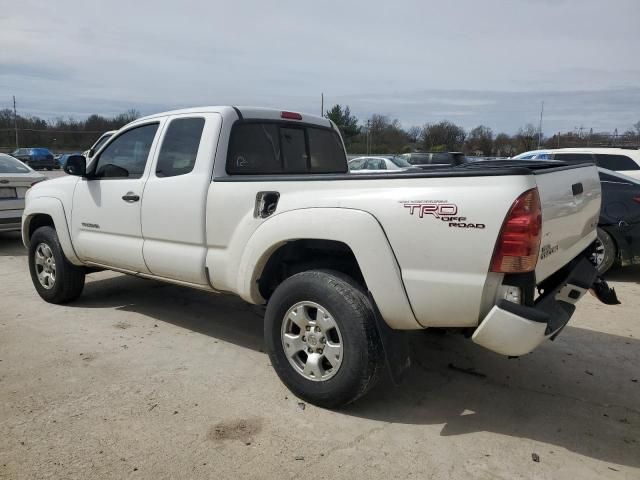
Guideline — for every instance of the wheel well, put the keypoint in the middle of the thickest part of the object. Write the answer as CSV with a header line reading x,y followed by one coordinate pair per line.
x,y
40,220
308,254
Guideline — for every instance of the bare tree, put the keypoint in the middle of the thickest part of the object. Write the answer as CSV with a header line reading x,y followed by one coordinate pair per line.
x,y
443,135
527,138
480,140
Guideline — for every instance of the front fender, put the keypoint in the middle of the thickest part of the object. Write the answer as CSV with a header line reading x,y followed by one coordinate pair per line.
x,y
54,208
357,229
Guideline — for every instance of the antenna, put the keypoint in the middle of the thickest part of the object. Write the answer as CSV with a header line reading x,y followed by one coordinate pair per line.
x,y
540,126
15,120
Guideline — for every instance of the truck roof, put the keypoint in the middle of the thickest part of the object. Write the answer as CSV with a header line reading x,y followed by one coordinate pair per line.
x,y
247,112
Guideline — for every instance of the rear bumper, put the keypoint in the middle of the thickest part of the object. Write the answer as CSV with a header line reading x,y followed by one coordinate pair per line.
x,y
10,220
513,329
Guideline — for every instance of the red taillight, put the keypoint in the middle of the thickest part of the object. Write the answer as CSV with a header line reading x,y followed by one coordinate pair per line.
x,y
636,199
291,115
519,240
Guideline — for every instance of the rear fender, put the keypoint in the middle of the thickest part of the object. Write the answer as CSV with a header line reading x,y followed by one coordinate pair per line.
x,y
355,228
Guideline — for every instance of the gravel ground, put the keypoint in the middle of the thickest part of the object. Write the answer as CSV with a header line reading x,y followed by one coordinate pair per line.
x,y
139,379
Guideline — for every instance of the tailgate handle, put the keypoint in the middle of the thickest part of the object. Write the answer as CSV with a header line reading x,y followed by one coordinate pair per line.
x,y
577,188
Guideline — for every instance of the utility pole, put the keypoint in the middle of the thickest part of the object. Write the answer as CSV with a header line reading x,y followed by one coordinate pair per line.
x,y
322,104
15,120
368,137
540,126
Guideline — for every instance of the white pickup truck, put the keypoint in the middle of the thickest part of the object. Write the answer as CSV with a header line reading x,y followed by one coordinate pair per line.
x,y
259,203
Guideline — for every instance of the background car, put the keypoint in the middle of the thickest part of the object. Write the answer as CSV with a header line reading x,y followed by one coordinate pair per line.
x,y
35,157
622,160
619,223
420,159
15,179
378,164
62,160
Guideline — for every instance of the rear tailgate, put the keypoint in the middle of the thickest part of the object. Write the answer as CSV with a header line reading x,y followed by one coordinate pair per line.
x,y
570,199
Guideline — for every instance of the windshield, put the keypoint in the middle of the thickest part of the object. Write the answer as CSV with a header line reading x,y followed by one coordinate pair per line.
x,y
400,162
11,165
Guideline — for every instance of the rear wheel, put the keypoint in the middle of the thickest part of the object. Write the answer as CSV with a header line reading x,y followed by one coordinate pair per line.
x,y
321,338
605,253
55,278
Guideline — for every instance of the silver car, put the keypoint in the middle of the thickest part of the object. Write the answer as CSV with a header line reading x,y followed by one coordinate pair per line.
x,y
15,179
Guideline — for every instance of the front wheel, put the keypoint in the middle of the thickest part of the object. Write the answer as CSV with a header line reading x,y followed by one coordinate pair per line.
x,y
55,278
321,338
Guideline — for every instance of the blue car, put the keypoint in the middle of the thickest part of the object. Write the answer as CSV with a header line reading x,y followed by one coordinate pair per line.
x,y
62,159
36,158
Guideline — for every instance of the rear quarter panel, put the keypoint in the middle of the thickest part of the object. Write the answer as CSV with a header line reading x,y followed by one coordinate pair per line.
x,y
443,267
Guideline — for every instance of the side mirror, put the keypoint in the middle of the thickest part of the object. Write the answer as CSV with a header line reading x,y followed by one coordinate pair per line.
x,y
76,165
91,153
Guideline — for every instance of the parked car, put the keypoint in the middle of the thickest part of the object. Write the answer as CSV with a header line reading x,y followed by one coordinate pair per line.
x,y
36,158
421,159
622,160
15,179
259,202
62,160
378,164
98,143
619,223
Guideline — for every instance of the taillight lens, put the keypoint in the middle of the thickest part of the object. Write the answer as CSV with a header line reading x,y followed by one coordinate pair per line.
x,y
519,240
636,199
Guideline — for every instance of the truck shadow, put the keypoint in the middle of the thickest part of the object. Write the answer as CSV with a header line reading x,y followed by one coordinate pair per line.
x,y
580,393
11,245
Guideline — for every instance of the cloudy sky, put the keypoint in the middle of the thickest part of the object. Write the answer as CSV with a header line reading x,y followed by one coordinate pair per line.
x,y
469,61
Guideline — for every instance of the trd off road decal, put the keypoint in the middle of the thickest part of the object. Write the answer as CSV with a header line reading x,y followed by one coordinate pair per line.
x,y
442,210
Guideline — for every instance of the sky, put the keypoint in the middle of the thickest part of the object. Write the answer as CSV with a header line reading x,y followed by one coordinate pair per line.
x,y
472,62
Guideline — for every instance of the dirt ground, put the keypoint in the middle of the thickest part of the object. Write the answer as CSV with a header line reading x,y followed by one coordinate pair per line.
x,y
139,379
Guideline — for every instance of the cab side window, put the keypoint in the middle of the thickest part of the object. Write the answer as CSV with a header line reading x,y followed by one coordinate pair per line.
x,y
180,147
616,162
126,156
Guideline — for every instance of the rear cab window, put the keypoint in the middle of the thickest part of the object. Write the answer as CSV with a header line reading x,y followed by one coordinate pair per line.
x,y
280,147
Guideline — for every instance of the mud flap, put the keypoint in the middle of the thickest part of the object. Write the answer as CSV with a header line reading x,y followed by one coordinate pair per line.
x,y
604,292
395,344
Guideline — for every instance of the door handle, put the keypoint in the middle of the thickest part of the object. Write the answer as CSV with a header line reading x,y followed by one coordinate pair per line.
x,y
131,197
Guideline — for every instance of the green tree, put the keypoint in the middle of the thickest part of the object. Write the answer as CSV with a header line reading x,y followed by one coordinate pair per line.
x,y
347,123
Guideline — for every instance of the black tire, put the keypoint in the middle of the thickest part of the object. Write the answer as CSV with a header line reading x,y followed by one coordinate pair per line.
x,y
362,354
49,168
69,279
606,247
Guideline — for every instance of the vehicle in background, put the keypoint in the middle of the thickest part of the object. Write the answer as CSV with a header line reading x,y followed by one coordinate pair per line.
x,y
619,223
62,159
378,164
423,159
622,160
15,179
98,143
35,157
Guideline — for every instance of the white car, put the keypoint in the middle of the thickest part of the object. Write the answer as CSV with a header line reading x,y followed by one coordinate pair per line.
x,y
259,203
622,160
15,179
378,164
